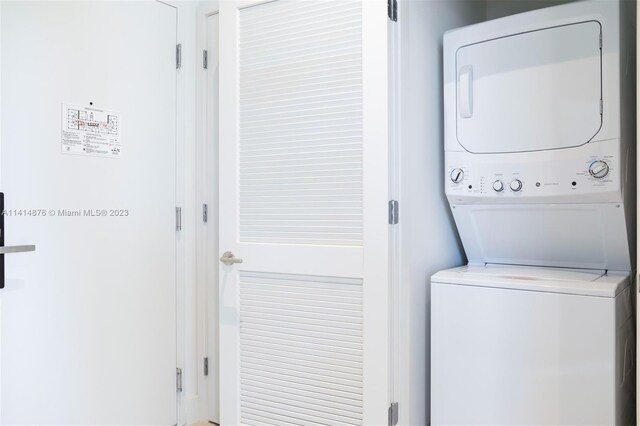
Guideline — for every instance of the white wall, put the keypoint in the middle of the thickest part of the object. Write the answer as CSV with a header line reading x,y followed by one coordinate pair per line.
x,y
428,238
500,8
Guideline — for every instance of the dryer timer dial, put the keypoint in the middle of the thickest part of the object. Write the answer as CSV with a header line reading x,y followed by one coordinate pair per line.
x,y
457,175
598,169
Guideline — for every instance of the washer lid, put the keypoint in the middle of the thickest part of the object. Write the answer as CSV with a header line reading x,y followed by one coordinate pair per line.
x,y
531,91
549,280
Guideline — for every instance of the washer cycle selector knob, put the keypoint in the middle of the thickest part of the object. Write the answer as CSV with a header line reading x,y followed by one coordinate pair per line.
x,y
516,185
598,169
457,175
498,186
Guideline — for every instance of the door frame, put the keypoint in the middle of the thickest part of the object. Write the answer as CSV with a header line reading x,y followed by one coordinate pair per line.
x,y
207,257
207,235
185,194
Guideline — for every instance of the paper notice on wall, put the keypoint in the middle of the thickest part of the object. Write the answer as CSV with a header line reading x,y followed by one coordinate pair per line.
x,y
91,131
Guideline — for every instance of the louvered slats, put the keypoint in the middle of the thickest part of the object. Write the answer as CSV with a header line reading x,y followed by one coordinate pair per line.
x,y
300,350
300,123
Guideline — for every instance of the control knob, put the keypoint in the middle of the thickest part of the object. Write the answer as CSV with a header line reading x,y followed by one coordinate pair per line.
x,y
516,185
598,169
457,175
498,186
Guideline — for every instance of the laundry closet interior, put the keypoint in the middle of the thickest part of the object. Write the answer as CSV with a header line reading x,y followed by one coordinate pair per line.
x,y
354,212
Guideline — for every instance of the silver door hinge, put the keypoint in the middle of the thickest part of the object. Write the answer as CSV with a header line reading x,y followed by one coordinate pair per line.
x,y
205,59
394,212
392,10
206,366
393,414
205,213
178,56
179,379
178,218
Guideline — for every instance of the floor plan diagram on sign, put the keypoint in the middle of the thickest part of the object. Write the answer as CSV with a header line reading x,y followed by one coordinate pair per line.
x,y
90,131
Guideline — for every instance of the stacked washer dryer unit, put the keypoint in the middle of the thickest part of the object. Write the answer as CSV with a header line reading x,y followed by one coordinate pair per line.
x,y
539,152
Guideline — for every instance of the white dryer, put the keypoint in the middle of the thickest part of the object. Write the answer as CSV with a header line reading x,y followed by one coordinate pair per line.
x,y
539,162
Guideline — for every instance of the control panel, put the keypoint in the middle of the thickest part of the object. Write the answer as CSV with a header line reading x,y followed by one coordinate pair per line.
x,y
552,174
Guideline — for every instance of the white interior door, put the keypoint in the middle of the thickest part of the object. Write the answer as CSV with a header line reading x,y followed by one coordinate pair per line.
x,y
303,203
89,319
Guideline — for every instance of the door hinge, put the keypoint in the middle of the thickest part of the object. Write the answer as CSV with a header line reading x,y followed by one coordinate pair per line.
x,y
393,414
178,218
206,366
394,212
178,56
205,59
600,41
205,213
601,106
392,10
179,379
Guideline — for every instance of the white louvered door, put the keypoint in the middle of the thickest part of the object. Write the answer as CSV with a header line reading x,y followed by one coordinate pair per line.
x,y
303,202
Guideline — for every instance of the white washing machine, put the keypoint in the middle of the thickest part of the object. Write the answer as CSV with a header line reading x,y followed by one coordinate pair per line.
x,y
525,345
539,161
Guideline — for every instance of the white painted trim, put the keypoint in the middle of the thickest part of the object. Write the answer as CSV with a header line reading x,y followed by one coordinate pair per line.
x,y
396,310
187,309
376,288
207,233
229,320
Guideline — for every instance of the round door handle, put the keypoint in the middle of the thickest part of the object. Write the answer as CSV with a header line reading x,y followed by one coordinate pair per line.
x,y
229,259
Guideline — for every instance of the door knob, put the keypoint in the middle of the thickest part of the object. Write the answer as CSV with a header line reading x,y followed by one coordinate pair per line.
x,y
229,259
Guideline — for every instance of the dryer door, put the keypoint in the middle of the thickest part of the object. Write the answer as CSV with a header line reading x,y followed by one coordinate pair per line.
x,y
532,91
